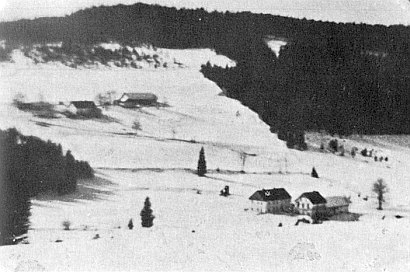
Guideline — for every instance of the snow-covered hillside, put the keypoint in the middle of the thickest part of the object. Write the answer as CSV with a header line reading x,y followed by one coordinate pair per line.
x,y
195,229
114,55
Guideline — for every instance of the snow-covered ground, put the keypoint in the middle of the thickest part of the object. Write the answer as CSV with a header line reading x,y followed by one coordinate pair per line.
x,y
195,229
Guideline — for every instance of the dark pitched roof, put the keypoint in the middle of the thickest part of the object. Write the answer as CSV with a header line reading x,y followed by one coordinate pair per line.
x,y
314,197
140,96
270,195
83,104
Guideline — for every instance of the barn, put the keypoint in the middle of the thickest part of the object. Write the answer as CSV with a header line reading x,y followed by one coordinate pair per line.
x,y
84,108
134,100
275,200
337,204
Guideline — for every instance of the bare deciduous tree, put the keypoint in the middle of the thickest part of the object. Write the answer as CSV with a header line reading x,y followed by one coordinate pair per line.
x,y
380,188
18,99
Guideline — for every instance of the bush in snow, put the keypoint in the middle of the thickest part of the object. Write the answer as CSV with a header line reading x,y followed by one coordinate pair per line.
x,y
364,152
147,219
136,125
353,152
66,224
225,191
105,99
333,145
19,99
201,163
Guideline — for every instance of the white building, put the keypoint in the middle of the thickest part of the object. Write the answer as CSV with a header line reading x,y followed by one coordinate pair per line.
x,y
310,202
275,200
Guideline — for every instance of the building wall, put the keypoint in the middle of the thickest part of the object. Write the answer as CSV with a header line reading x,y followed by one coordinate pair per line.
x,y
277,206
85,111
338,210
304,206
270,206
128,104
258,206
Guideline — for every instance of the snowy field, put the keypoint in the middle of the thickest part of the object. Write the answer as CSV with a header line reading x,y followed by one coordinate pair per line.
x,y
195,229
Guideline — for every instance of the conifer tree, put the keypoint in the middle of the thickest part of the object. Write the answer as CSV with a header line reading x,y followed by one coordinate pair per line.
x,y
130,224
314,173
14,197
147,219
201,163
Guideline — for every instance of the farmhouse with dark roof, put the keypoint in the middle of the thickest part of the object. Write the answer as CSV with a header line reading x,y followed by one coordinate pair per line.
x,y
310,202
270,201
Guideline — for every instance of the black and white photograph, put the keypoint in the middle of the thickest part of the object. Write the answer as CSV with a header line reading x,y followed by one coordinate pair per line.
x,y
209,135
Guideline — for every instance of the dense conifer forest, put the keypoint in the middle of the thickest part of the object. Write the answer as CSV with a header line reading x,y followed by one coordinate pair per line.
x,y
29,166
342,78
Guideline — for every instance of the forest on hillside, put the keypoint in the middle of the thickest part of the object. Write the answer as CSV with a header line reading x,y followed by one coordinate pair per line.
x,y
29,166
342,78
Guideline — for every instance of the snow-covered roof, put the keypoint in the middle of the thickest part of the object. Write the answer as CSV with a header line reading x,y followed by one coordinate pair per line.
x,y
337,201
314,197
139,96
270,195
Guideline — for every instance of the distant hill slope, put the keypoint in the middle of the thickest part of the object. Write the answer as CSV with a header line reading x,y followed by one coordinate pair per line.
x,y
383,12
343,78
187,28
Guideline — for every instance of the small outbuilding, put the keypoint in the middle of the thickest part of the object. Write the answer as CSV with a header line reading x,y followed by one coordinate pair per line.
x,y
275,200
337,204
133,100
310,203
84,108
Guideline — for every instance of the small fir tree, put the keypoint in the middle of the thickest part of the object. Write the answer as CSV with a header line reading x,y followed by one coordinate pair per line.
x,y
314,173
130,224
202,163
353,152
147,219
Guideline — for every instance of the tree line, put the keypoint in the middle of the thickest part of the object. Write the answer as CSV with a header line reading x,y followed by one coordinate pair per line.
x,y
30,166
188,28
334,86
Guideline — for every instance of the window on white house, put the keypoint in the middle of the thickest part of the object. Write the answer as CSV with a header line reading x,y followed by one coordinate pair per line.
x,y
307,206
